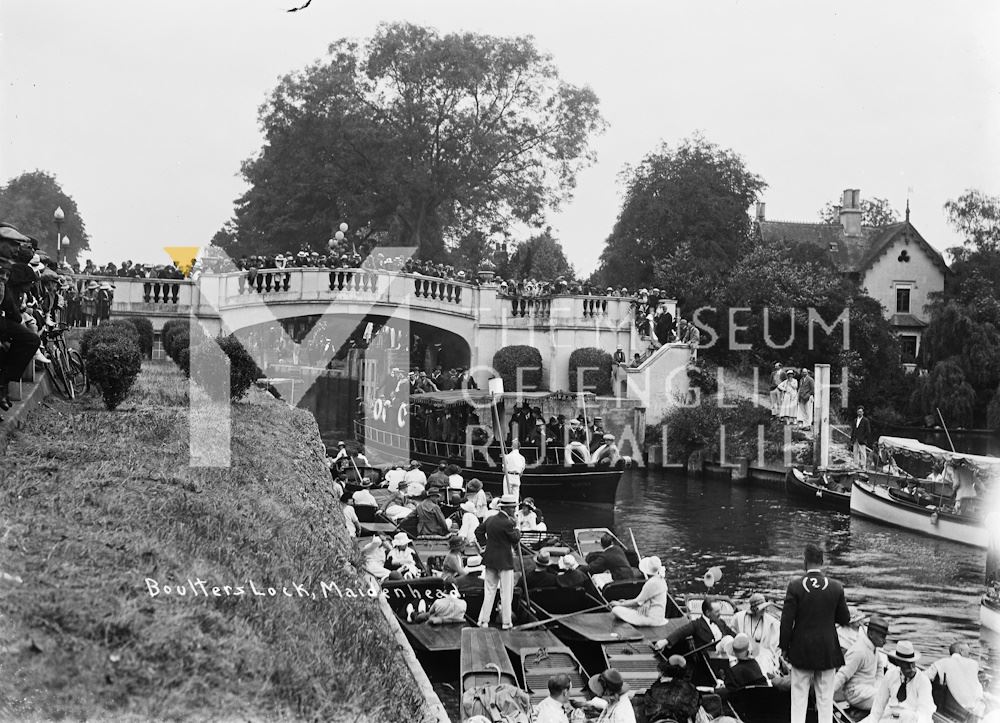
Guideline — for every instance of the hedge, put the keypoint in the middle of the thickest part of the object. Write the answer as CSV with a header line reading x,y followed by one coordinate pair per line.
x,y
243,370
116,328
597,380
113,361
528,359
145,329
168,329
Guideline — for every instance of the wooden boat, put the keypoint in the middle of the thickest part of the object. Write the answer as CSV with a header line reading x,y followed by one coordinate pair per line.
x,y
823,490
989,613
547,476
484,663
892,507
540,655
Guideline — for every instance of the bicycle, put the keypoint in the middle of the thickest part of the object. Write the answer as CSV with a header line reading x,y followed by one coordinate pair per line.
x,y
67,370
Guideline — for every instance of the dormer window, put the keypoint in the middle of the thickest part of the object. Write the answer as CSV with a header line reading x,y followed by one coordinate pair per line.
x,y
904,257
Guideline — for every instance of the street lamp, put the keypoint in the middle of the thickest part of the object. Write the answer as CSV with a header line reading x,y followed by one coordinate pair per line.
x,y
59,216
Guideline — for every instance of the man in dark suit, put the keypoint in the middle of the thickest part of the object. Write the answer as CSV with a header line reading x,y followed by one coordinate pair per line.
x,y
709,628
814,605
543,575
861,438
499,535
611,559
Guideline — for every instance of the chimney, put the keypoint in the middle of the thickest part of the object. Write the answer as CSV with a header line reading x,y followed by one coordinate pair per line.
x,y
760,210
850,212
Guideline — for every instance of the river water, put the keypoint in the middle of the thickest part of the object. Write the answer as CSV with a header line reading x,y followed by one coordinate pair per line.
x,y
928,589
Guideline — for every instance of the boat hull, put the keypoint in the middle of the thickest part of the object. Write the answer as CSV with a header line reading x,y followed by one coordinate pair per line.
x,y
803,489
577,483
989,617
874,502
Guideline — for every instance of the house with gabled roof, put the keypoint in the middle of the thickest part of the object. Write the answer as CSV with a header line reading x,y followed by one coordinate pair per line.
x,y
894,264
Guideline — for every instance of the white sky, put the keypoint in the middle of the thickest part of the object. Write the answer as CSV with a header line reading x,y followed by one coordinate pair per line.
x,y
144,110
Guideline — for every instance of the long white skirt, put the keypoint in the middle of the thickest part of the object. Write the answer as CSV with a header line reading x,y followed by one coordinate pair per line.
x,y
632,617
805,415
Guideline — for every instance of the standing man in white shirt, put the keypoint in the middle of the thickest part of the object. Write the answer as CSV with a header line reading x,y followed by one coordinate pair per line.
x,y
960,674
514,466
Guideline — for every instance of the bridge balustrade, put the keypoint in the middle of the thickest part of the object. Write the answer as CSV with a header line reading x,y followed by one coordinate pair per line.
x,y
128,291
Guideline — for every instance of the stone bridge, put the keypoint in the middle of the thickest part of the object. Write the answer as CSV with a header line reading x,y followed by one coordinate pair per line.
x,y
481,316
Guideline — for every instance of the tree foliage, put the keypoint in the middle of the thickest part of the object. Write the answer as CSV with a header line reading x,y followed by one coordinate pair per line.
x,y
874,212
945,388
540,257
977,216
695,194
422,138
29,202
519,363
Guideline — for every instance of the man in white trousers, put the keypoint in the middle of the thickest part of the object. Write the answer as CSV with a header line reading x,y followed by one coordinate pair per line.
x,y
499,535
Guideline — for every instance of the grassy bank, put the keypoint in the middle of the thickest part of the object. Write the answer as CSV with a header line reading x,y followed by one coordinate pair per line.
x,y
92,503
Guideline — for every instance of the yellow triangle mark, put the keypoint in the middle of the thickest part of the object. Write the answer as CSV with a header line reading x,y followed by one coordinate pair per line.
x,y
182,255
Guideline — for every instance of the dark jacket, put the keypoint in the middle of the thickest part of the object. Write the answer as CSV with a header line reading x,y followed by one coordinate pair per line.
x,y
612,560
542,577
430,519
861,432
814,605
744,673
700,631
498,535
572,578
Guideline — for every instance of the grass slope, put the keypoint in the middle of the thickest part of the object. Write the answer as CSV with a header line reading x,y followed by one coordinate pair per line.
x,y
94,502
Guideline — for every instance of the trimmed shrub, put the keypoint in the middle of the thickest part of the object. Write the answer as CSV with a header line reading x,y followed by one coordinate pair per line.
x,y
113,363
508,360
175,341
596,366
184,361
108,330
144,327
167,331
243,370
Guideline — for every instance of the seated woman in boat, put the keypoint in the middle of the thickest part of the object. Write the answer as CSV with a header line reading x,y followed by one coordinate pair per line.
x,y
456,485
375,560
528,518
570,574
672,695
477,495
402,557
612,697
576,451
652,599
453,566
399,505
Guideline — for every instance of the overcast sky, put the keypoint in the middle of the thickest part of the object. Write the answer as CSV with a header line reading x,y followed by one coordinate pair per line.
x,y
144,110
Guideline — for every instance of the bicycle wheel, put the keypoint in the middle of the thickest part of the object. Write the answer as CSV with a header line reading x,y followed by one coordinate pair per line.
x,y
78,372
58,373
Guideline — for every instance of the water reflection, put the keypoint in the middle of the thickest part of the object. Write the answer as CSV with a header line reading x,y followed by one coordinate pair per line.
x,y
928,588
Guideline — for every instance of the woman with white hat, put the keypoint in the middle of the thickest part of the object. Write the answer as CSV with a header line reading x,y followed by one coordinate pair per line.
x,y
652,599
904,694
469,521
402,557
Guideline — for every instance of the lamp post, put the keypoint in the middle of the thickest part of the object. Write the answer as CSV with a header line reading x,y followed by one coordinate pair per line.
x,y
59,216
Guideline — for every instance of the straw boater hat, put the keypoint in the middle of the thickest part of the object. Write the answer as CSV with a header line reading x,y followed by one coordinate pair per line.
x,y
508,501
610,682
904,652
401,540
609,438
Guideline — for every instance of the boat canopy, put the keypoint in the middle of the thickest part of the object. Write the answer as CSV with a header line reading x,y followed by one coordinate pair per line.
x,y
480,398
987,466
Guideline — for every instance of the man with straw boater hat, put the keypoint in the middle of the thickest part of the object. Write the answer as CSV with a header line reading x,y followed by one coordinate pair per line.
x,y
498,535
904,695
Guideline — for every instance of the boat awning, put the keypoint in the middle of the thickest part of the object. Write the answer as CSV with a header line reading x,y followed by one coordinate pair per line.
x,y
989,466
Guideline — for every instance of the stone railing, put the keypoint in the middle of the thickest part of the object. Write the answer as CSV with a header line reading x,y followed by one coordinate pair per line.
x,y
131,294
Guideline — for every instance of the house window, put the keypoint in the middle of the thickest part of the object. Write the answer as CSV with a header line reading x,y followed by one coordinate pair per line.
x,y
908,347
903,300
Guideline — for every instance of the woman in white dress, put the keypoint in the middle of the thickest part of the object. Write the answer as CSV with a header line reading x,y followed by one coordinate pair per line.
x,y
652,600
789,388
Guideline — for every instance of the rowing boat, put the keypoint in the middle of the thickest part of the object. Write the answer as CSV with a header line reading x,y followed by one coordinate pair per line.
x,y
541,655
485,670
822,490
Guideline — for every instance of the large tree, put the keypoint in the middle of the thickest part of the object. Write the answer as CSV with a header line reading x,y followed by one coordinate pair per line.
x,y
29,202
874,212
696,194
417,139
965,320
540,257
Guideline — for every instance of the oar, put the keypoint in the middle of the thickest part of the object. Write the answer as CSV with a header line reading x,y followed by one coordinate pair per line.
x,y
528,626
634,546
947,433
